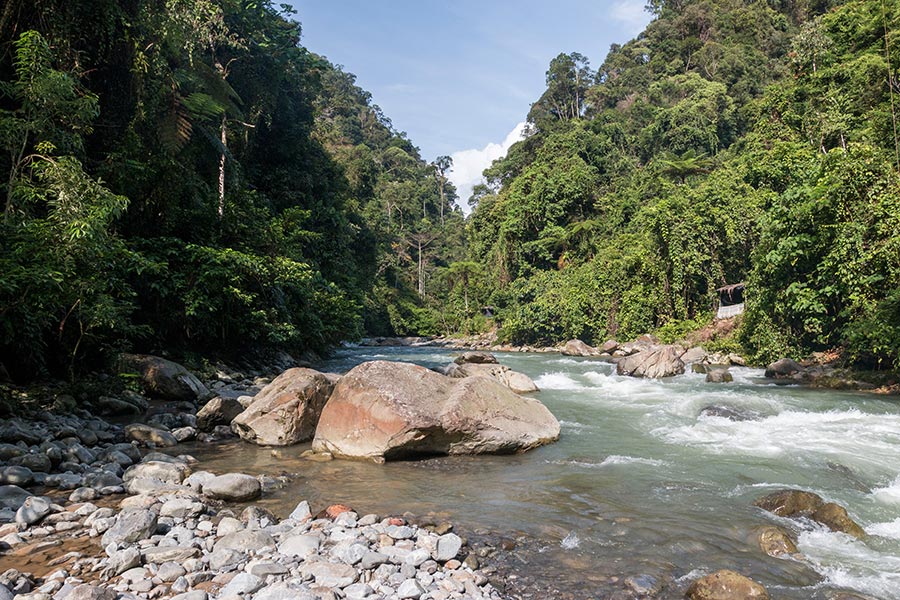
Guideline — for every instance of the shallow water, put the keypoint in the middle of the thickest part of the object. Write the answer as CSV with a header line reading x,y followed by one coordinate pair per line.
x,y
639,484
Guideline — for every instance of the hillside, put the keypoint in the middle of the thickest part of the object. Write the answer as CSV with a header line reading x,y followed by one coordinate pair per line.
x,y
731,141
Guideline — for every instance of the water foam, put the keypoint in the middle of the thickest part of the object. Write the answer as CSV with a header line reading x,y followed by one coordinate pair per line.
x,y
557,381
571,541
889,494
849,563
891,529
850,436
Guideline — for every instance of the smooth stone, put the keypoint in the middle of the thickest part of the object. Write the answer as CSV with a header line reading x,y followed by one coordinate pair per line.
x,y
16,475
244,541
242,583
234,487
131,526
331,575
299,545
150,435
91,592
410,589
447,547
33,510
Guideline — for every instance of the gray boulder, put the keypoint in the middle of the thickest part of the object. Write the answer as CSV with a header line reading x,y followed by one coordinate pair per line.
x,y
12,496
785,368
387,410
287,410
218,411
517,382
33,510
653,362
164,378
234,487
131,526
578,348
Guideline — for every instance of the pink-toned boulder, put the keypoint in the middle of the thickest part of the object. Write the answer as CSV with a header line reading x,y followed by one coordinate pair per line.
x,y
287,410
387,410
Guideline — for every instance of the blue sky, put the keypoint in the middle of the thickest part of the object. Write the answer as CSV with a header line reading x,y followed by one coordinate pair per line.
x,y
459,76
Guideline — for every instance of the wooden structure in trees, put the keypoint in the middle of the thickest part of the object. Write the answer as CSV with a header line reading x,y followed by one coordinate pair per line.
x,y
731,301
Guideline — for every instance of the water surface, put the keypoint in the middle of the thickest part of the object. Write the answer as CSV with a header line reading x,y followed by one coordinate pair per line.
x,y
640,484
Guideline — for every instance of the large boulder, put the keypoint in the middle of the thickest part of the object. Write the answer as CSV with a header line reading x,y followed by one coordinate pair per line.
x,y
726,585
653,362
287,410
387,410
775,541
520,383
218,411
785,368
578,348
164,378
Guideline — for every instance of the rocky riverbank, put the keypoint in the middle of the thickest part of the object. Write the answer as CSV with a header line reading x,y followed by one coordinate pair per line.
x,y
125,521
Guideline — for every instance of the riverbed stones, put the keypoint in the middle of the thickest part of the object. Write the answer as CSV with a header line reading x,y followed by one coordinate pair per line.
x,y
233,487
726,585
164,378
166,472
387,410
33,510
287,410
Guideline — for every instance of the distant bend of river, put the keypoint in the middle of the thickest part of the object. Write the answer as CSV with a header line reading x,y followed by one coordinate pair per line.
x,y
639,483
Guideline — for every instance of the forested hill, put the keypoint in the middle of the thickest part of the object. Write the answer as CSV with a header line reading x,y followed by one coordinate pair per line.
x,y
184,176
733,140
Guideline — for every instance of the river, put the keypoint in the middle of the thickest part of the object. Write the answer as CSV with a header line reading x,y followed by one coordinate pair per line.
x,y
639,484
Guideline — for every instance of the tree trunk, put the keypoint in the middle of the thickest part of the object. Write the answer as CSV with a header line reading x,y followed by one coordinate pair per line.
x,y
421,272
222,170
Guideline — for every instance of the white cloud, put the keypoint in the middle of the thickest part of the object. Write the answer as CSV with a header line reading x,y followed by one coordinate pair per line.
x,y
469,164
632,14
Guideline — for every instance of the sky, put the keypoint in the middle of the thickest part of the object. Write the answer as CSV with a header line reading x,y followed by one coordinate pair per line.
x,y
459,76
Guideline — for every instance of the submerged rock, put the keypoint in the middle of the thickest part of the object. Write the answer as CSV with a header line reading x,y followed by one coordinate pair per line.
x,y
729,412
386,410
726,585
775,541
719,376
287,410
798,503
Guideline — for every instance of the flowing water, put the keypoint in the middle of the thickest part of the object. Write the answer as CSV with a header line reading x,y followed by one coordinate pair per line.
x,y
640,485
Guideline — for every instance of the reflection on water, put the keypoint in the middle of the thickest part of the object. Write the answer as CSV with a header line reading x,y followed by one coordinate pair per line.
x,y
639,484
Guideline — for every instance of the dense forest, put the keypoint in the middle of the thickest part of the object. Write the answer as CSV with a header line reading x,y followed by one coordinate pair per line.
x,y
183,176
731,141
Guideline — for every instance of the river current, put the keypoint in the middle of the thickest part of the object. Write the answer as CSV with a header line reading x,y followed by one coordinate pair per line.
x,y
641,490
